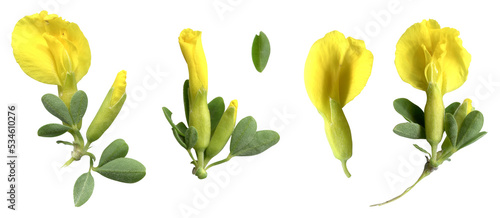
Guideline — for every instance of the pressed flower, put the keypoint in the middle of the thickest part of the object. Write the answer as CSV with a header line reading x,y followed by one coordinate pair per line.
x,y
52,51
110,108
199,115
336,70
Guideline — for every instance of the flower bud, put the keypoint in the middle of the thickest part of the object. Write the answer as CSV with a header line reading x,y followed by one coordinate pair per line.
x,y
109,109
222,132
339,135
462,111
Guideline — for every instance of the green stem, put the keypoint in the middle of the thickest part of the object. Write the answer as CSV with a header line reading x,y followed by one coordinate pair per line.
x,y
201,157
434,155
191,155
219,162
427,170
68,162
344,166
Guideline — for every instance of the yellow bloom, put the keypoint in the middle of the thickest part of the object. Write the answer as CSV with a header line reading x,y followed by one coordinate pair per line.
x,y
192,49
48,48
119,87
199,115
427,53
336,70
432,59
462,111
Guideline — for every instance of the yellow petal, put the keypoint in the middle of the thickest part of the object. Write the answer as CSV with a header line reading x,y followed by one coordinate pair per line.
x,y
234,103
336,68
425,45
119,87
32,41
192,50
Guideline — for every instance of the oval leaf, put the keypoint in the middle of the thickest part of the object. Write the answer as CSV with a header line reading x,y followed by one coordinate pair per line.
x,y
182,127
185,93
52,130
243,133
473,139
191,137
411,112
56,107
471,127
78,106
123,170
216,108
180,139
84,186
452,108
261,50
262,140
451,128
116,149
410,130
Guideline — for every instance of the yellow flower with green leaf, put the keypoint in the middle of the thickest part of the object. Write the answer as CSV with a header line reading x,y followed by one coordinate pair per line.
x,y
52,51
336,70
432,59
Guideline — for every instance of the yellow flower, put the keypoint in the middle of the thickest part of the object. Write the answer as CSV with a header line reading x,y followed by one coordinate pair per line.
x,y
192,49
432,59
336,70
199,115
427,53
110,107
51,50
462,112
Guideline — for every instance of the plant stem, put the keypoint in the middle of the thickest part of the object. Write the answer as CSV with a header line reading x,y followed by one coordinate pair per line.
x,y
191,155
220,162
346,171
427,171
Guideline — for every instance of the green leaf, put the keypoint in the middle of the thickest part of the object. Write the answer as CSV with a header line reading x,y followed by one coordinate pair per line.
x,y
84,186
185,93
168,115
451,128
117,149
78,106
410,111
421,149
52,130
56,107
123,170
216,108
64,142
243,134
182,127
452,108
180,139
191,137
473,139
470,128
262,140
410,130
261,50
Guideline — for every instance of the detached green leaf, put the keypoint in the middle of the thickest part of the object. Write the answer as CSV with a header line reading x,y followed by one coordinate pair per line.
x,y
123,169
78,106
56,107
168,115
216,108
410,130
116,149
262,140
52,130
452,108
191,137
185,93
243,134
451,128
471,127
84,186
410,111
261,50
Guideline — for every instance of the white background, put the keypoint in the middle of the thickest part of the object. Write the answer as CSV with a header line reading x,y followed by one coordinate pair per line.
x,y
299,177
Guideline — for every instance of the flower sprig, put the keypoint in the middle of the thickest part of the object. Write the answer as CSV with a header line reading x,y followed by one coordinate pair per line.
x,y
54,51
209,127
432,59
